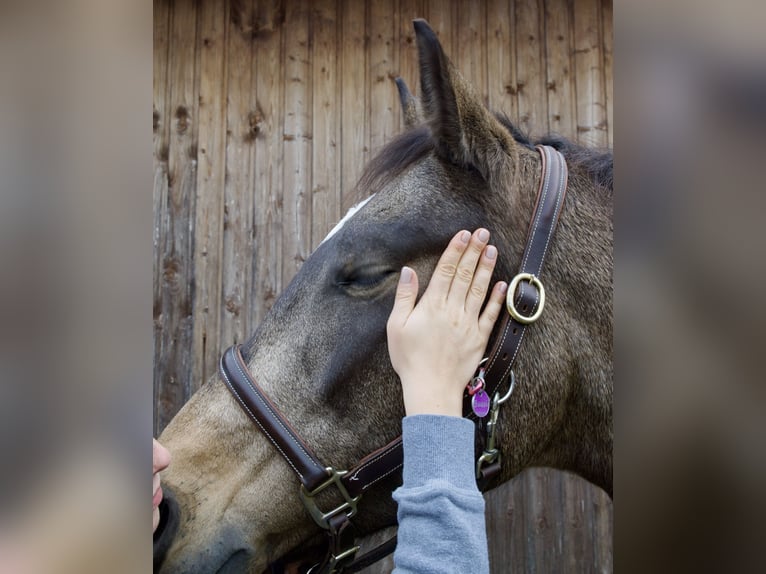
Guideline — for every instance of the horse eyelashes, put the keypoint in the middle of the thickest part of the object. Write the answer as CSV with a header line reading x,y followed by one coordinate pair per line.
x,y
364,279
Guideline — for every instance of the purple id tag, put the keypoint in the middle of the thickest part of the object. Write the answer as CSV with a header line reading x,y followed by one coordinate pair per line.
x,y
480,403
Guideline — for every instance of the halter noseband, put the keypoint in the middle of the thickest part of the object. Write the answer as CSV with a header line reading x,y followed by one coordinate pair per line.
x,y
525,301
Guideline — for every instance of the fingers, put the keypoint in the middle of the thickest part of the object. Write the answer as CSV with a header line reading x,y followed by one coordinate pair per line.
x,y
404,301
465,275
441,280
481,277
455,270
492,311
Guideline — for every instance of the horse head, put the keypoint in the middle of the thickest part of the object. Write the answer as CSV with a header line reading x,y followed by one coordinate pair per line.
x,y
320,354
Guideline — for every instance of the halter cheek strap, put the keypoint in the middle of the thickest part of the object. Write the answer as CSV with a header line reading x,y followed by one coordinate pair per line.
x,y
525,301
314,476
526,296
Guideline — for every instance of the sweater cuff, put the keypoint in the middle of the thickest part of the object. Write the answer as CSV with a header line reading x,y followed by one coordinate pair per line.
x,y
438,447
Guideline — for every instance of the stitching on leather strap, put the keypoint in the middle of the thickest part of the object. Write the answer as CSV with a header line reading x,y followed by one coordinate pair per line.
x,y
255,419
382,476
531,250
552,228
376,458
274,415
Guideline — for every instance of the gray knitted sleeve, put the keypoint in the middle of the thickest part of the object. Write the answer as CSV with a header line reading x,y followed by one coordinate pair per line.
x,y
441,511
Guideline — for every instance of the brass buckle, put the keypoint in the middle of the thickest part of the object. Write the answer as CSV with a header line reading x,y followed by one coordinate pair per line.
x,y
511,293
323,518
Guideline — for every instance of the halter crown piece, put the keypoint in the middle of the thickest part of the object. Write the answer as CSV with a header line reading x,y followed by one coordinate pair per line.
x,y
525,302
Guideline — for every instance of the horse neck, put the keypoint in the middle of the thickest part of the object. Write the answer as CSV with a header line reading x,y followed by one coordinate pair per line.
x,y
582,444
581,439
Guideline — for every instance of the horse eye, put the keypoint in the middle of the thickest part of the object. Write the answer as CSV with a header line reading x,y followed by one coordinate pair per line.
x,y
364,278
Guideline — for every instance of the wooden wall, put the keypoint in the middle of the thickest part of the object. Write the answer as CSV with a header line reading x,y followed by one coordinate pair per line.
x,y
265,112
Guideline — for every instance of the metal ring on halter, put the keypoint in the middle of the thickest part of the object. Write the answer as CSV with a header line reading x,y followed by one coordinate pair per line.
x,y
511,306
510,390
479,369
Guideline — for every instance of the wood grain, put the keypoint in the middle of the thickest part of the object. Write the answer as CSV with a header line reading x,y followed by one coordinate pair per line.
x,y
591,97
325,165
173,316
354,57
530,69
296,141
559,65
501,85
236,252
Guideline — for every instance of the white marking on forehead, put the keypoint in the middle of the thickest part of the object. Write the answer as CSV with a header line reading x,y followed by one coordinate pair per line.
x,y
349,214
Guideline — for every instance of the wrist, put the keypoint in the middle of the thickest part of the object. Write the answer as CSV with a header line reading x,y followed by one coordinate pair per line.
x,y
423,399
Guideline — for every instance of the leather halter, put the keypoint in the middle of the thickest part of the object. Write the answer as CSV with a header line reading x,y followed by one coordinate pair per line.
x,y
524,305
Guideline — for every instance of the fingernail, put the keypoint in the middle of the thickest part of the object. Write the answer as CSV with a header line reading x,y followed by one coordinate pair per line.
x,y
491,252
483,235
465,236
503,287
406,275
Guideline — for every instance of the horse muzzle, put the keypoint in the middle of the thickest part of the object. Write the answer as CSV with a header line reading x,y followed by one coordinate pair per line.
x,y
227,555
170,517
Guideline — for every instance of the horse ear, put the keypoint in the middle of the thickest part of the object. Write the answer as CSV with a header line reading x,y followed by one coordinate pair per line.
x,y
410,105
465,131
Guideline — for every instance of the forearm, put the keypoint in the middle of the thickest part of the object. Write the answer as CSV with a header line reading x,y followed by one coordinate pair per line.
x,y
441,511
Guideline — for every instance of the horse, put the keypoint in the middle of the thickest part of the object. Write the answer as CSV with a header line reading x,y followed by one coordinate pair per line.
x,y
320,354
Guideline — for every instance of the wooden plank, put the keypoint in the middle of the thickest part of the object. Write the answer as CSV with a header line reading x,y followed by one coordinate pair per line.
x,y
409,10
296,147
554,502
174,269
502,520
591,104
160,89
607,19
354,106
161,135
267,215
500,51
471,56
208,222
559,66
548,521
542,521
530,68
325,164
441,17
599,514
238,200
575,535
515,113
527,550
384,100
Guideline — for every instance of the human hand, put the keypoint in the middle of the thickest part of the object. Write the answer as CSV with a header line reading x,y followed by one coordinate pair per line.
x,y
160,461
436,345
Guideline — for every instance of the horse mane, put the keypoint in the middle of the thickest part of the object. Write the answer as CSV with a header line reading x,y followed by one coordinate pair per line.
x,y
412,145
